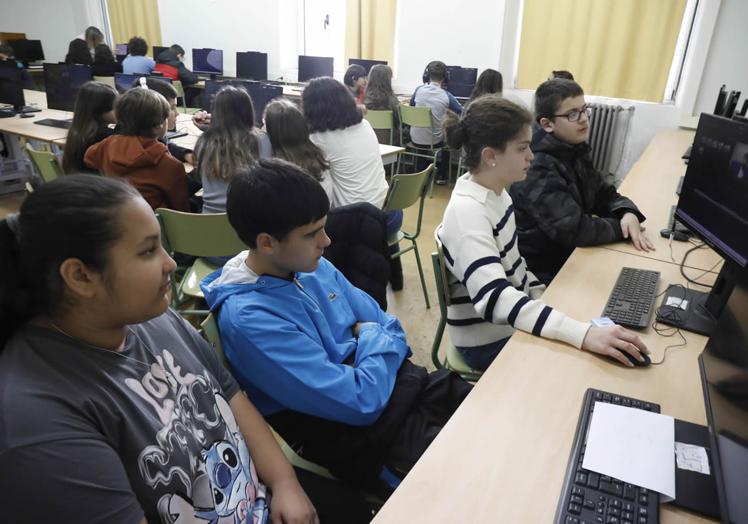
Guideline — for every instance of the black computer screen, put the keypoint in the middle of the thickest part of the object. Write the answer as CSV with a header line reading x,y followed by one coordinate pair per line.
x,y
261,95
207,61
462,75
211,90
157,50
11,84
714,199
314,67
121,49
366,64
27,50
62,82
252,65
724,376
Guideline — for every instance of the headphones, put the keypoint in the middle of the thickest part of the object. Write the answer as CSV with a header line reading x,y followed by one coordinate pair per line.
x,y
432,67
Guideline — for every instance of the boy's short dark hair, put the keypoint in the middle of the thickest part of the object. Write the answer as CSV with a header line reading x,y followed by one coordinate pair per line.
x,y
273,197
164,88
550,95
353,73
436,71
177,49
562,73
137,46
139,111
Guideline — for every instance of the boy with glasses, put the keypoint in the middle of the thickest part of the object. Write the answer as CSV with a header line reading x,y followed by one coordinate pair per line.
x,y
565,202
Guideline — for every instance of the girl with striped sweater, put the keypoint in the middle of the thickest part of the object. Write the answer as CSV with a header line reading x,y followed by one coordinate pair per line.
x,y
492,291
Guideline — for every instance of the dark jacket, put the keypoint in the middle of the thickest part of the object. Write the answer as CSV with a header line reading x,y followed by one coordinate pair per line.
x,y
359,248
564,203
169,58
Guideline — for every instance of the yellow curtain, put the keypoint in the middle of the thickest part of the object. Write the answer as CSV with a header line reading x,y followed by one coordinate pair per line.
x,y
370,29
614,48
130,18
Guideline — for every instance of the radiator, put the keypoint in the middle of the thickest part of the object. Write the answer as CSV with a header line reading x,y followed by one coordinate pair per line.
x,y
609,127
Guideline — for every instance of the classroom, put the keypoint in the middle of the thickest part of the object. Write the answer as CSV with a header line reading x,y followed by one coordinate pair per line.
x,y
382,261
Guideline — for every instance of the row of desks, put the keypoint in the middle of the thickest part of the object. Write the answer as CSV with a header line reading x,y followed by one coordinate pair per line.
x,y
503,455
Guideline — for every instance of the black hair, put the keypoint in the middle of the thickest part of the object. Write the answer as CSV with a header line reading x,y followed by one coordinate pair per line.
x,y
329,105
489,82
165,89
436,71
488,121
92,101
103,54
550,95
139,111
78,53
73,216
176,49
562,74
137,46
353,73
273,197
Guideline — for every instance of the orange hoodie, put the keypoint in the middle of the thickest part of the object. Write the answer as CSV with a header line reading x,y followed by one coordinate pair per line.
x,y
146,164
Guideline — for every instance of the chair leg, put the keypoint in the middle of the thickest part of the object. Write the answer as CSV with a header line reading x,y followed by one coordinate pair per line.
x,y
420,274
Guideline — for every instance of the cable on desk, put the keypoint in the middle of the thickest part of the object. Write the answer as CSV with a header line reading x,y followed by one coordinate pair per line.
x,y
674,314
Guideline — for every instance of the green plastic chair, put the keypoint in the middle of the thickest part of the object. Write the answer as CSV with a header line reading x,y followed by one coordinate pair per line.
x,y
381,119
406,190
179,88
453,360
199,235
419,117
46,163
212,335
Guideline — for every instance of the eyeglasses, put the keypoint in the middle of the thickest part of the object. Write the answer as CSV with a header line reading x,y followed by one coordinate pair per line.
x,y
576,114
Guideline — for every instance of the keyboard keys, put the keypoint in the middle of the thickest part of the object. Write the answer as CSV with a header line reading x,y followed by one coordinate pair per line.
x,y
610,488
576,509
593,480
581,479
629,492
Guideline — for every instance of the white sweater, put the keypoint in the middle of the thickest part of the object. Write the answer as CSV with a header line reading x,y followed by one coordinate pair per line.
x,y
492,291
356,169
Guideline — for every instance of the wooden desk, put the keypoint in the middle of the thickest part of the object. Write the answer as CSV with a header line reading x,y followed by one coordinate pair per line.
x,y
502,456
651,184
25,127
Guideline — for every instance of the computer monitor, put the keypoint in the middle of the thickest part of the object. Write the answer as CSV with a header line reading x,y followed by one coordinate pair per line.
x,y
27,51
62,82
121,49
261,95
252,65
461,80
158,49
207,61
11,85
713,204
212,87
124,81
315,66
724,379
366,64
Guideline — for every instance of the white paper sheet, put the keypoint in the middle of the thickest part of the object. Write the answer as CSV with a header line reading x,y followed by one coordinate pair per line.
x,y
632,445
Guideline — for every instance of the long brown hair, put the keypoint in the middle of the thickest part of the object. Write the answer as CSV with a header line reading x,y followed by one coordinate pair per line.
x,y
94,99
230,143
289,136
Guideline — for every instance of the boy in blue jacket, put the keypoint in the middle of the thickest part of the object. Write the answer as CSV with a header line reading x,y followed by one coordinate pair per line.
x,y
323,363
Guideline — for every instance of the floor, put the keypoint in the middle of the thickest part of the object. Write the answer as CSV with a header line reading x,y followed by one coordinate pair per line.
x,y
408,305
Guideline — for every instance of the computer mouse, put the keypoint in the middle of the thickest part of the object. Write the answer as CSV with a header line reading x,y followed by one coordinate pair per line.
x,y
634,361
27,115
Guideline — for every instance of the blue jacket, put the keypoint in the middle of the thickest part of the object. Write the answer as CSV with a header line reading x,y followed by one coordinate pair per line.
x,y
290,343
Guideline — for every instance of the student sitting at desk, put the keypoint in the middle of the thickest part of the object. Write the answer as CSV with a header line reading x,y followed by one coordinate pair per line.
x,y
490,82
492,290
78,53
104,63
135,154
136,62
92,116
7,54
355,81
380,96
171,63
325,365
90,38
565,202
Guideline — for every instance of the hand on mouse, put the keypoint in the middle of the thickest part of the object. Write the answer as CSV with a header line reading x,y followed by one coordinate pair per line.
x,y
612,341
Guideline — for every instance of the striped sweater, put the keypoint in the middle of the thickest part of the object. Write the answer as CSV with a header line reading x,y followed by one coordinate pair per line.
x,y
492,292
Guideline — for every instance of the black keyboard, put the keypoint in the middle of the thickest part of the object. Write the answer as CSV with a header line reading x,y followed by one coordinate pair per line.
x,y
53,122
590,498
632,300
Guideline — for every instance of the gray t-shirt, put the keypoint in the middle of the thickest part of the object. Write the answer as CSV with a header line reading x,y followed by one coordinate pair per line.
x,y
90,435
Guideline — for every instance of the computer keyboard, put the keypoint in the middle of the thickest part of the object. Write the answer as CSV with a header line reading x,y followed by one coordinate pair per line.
x,y
632,300
590,498
53,122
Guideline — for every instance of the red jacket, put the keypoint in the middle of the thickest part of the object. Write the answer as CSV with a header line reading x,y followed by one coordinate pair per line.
x,y
146,164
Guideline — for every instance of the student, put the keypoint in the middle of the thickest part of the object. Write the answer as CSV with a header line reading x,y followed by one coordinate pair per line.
x,y
136,154
101,380
104,63
92,116
325,365
565,202
355,80
136,62
289,138
170,63
380,96
230,143
78,53
493,292
432,95
91,37
489,82
561,74
8,55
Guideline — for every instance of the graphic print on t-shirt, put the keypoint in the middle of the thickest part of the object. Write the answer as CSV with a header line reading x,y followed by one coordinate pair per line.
x,y
198,460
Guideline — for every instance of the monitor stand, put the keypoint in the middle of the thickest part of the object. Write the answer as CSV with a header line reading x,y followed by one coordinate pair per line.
x,y
695,491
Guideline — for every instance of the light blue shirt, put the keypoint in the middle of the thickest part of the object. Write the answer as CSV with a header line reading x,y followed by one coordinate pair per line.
x,y
439,101
138,65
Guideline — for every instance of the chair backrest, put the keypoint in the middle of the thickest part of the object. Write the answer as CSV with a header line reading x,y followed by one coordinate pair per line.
x,y
416,116
441,276
106,80
379,119
179,88
406,189
45,162
213,336
198,234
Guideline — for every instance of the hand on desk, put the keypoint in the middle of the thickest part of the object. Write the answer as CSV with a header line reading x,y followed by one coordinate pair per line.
x,y
201,119
633,229
611,341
